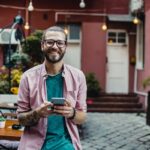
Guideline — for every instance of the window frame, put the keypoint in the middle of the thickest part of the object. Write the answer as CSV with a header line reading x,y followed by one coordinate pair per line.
x,y
117,37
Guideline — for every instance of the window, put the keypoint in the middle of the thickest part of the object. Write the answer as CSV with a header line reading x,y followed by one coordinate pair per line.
x,y
116,37
73,32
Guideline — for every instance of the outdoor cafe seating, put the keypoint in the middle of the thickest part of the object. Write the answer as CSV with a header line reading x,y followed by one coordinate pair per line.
x,y
10,135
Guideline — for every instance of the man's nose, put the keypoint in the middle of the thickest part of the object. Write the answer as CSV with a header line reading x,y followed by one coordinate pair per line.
x,y
55,45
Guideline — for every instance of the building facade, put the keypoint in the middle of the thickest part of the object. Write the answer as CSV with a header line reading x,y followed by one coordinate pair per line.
x,y
118,56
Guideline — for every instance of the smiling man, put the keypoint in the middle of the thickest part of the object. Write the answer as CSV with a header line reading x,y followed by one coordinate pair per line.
x,y
49,126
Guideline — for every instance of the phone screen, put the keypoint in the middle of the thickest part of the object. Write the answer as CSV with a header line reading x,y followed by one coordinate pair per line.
x,y
58,100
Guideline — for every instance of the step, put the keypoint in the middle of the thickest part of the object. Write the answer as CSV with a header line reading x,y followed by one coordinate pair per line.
x,y
115,105
121,95
121,110
112,99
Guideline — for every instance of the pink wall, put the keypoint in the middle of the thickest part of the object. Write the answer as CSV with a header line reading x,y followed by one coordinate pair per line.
x,y
94,51
142,74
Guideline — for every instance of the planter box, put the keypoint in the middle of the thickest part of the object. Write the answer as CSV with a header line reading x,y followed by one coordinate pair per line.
x,y
8,98
2,124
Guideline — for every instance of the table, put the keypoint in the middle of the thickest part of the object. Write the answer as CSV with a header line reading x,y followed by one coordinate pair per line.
x,y
9,106
8,133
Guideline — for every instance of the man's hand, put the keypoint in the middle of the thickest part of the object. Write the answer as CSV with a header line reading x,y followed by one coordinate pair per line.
x,y
66,110
45,109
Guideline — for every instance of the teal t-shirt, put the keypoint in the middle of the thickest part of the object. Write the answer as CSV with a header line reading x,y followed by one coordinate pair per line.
x,y
57,137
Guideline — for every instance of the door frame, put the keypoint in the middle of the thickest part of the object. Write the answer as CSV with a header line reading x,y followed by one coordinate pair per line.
x,y
118,44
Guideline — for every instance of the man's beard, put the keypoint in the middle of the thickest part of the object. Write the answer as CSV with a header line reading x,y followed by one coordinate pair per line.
x,y
54,59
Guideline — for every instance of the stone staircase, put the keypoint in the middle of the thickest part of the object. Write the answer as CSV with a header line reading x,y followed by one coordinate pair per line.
x,y
115,103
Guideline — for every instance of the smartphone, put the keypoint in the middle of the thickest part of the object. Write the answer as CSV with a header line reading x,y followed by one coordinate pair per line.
x,y
58,100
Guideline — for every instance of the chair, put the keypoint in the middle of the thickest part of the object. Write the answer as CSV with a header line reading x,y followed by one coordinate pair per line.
x,y
8,145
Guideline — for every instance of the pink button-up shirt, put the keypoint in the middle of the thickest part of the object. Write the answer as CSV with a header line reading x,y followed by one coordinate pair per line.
x,y
32,93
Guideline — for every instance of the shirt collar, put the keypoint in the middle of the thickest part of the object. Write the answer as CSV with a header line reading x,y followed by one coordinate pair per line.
x,y
44,72
65,74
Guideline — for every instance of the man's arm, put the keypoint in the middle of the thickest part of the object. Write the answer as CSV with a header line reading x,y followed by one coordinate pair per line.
x,y
32,117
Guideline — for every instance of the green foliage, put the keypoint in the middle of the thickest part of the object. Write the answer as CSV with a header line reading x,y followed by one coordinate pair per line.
x,y
146,82
2,118
4,87
32,46
93,87
20,58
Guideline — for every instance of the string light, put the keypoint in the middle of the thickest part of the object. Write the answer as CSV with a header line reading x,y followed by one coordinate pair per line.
x,y
136,20
104,27
82,4
27,27
66,30
30,7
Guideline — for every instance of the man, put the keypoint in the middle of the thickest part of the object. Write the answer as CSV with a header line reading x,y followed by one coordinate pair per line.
x,y
48,126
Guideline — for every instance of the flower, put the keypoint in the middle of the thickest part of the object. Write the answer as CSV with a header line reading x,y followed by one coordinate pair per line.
x,y
15,80
14,90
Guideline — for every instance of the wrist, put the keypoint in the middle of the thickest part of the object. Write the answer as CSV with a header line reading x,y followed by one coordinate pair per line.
x,y
73,114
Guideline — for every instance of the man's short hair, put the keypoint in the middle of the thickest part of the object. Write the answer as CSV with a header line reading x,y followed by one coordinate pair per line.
x,y
54,28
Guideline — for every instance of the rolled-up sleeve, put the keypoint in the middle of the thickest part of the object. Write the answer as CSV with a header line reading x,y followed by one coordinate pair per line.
x,y
23,95
82,94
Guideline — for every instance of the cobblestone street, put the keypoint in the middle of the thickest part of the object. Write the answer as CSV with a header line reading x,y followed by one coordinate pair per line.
x,y
116,131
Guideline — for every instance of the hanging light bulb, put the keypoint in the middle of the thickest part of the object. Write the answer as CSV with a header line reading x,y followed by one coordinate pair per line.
x,y
27,27
30,7
82,4
104,27
136,20
66,30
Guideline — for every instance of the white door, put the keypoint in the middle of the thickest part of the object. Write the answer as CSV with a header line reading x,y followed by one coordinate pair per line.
x,y
117,63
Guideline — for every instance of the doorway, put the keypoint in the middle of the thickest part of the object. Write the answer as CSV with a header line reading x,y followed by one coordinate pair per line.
x,y
117,62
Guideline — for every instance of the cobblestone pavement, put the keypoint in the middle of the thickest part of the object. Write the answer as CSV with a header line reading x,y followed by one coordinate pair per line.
x,y
115,131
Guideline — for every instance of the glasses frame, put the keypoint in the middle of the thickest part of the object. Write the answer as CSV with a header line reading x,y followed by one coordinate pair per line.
x,y
55,41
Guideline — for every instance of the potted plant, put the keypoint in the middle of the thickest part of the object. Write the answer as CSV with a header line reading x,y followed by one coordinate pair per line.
x,y
146,82
2,122
93,86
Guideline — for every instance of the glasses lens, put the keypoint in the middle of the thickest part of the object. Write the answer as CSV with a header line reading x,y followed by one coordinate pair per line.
x,y
49,43
59,43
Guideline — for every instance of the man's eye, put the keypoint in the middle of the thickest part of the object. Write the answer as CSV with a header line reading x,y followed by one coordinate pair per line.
x,y
60,43
50,42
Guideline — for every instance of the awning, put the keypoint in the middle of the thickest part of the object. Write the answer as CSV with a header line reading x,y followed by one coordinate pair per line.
x,y
120,18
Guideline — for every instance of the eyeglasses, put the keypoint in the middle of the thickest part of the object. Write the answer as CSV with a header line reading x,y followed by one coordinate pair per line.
x,y
59,43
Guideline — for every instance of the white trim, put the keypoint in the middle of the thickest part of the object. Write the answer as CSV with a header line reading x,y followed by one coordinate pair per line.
x,y
135,88
77,13
139,47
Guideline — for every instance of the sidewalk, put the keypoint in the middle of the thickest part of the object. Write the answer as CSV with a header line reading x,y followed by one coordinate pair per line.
x,y
116,131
